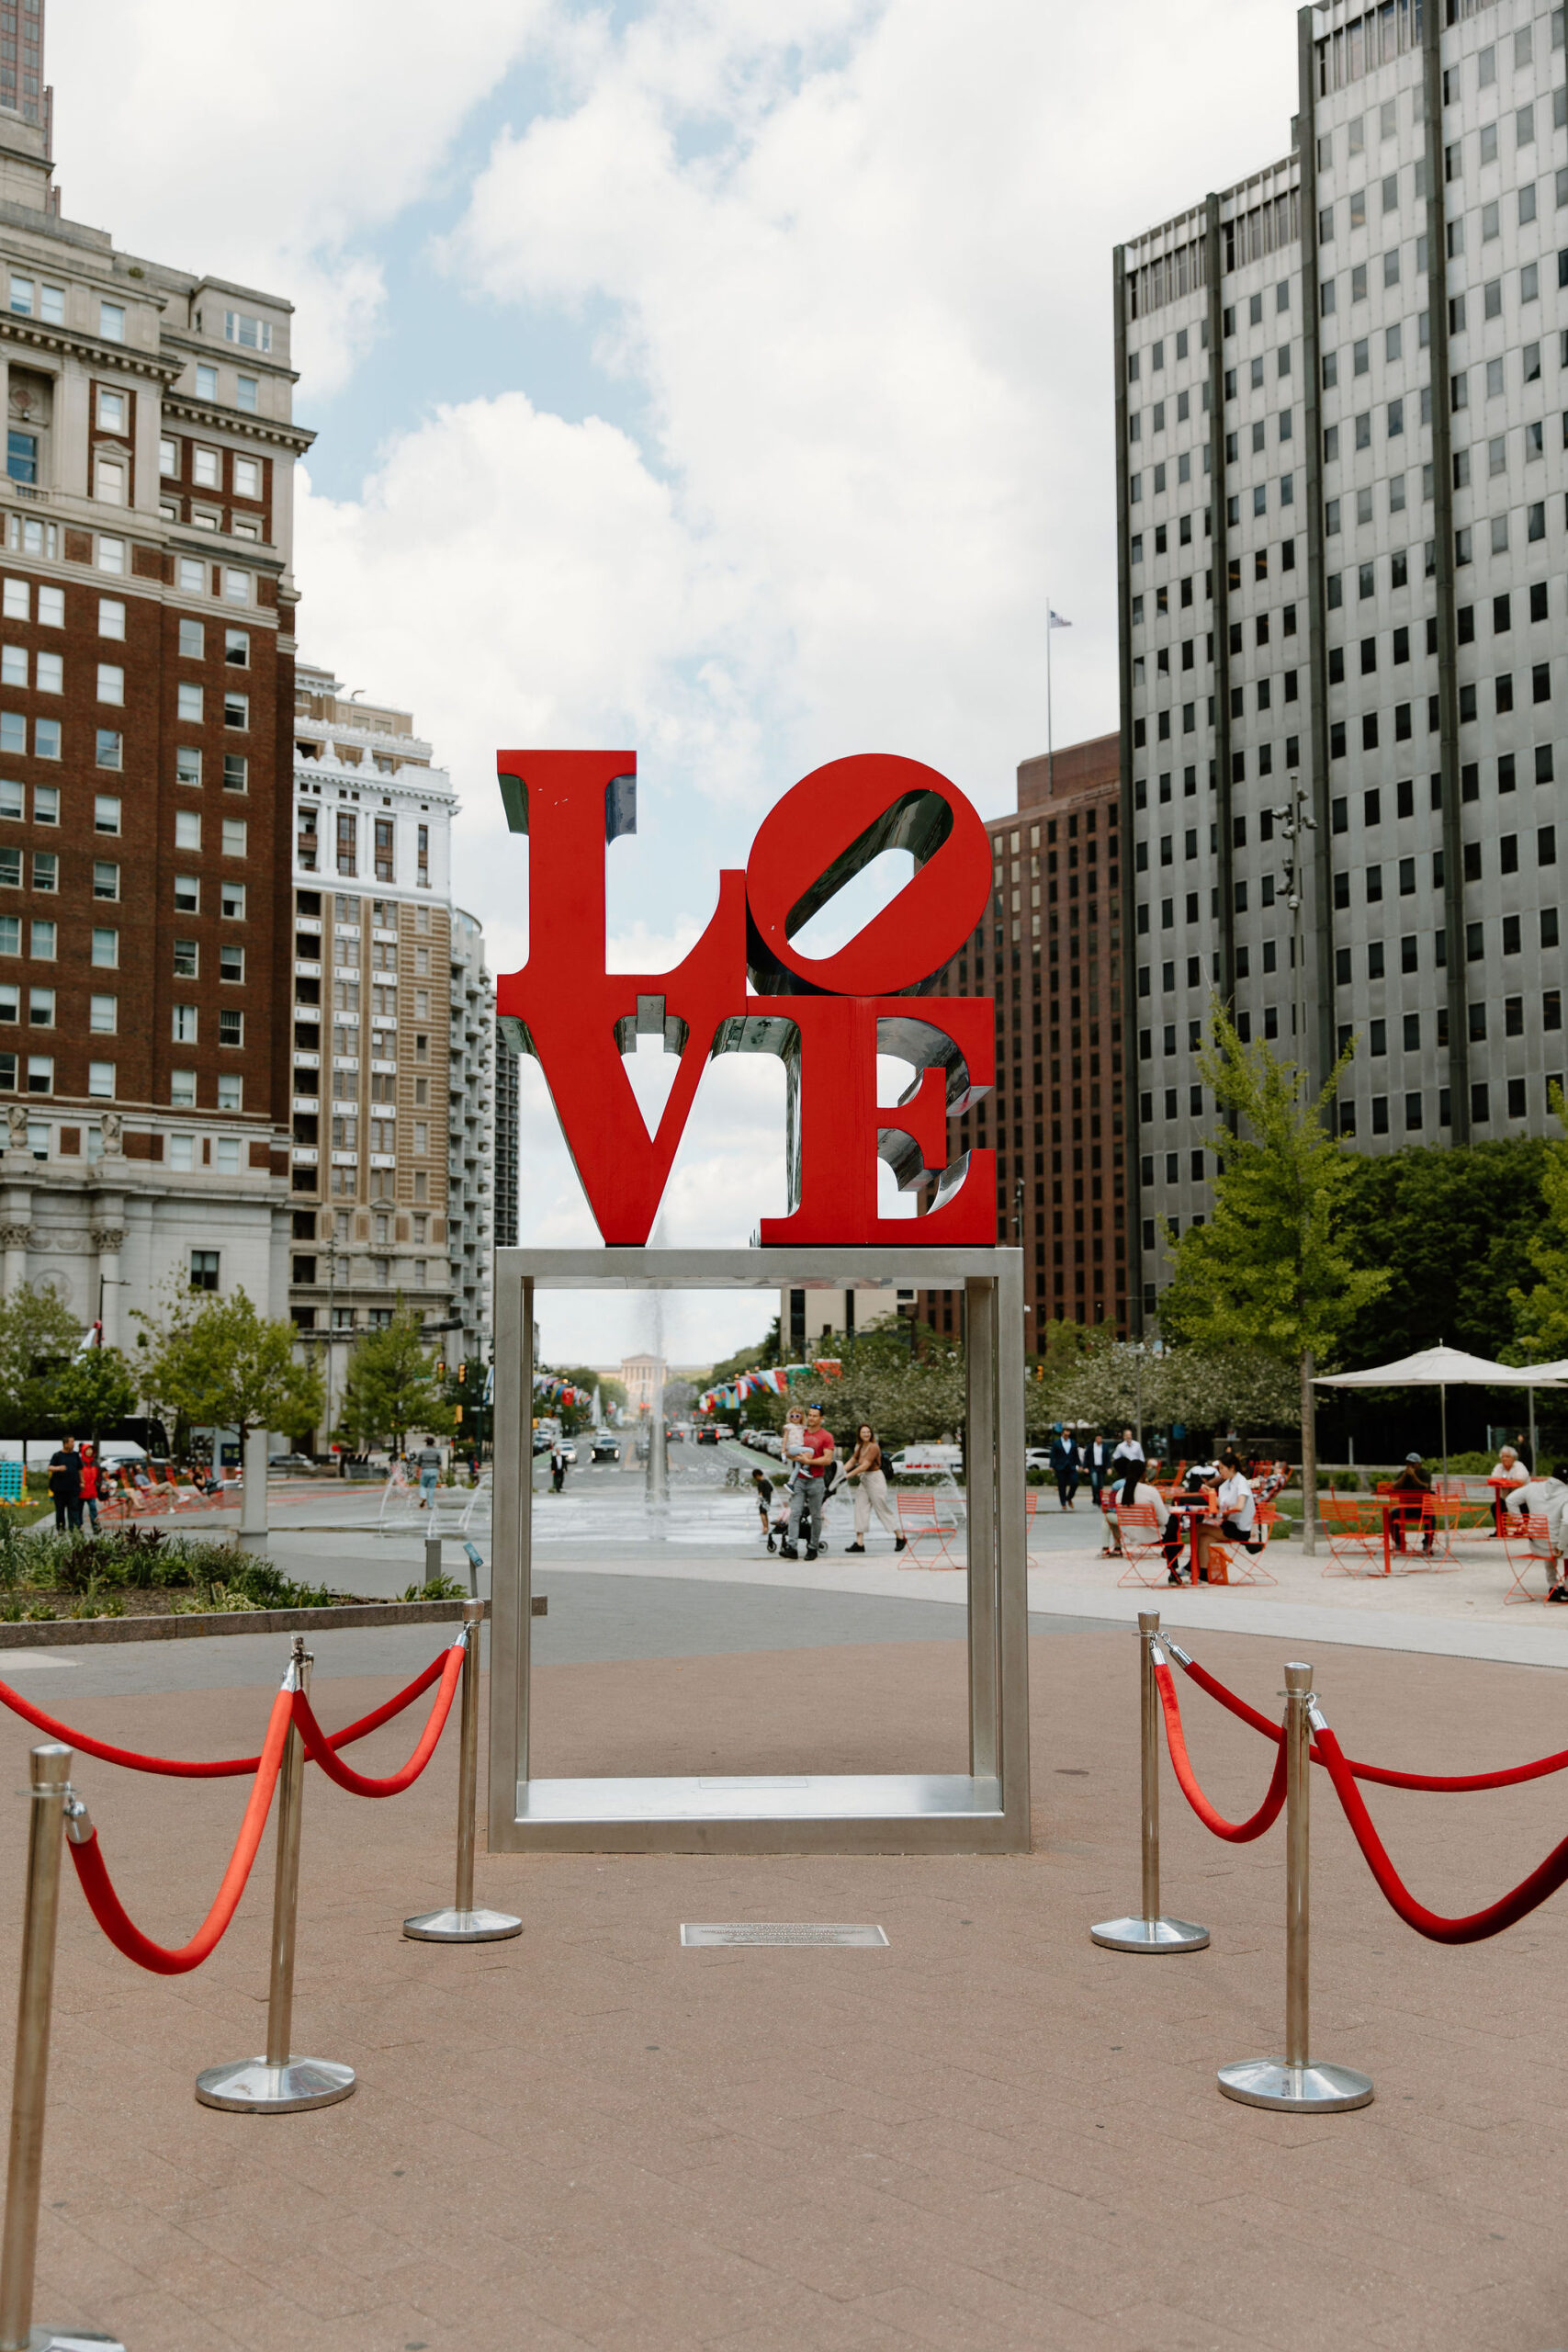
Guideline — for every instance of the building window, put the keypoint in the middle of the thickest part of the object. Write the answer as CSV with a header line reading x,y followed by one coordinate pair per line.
x,y
105,945
105,880
231,900
106,813
245,390
182,1088
184,1024
188,829
235,835
41,1077
111,321
236,772
187,959
231,1028
110,747
108,481
423,855
236,711
251,334
103,1014
101,1081
347,841
21,456
230,1097
188,893
203,1262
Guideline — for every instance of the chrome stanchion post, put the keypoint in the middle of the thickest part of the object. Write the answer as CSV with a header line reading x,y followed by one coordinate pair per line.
x,y
49,1771
1151,1932
1297,2082
462,1923
278,2082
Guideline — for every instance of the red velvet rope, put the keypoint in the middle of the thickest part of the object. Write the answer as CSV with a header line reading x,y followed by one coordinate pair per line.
x,y
320,1747
1238,1833
109,1912
1505,1912
230,1767
1444,1783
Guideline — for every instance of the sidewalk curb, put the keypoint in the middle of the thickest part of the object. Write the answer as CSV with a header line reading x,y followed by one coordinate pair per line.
x,y
62,1632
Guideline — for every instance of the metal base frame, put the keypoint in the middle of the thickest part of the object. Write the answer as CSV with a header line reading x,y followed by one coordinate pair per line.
x,y
1150,1934
451,1926
70,2339
1295,2090
250,2086
983,1811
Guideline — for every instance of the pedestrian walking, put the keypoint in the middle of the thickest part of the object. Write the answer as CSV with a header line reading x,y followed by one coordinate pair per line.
x,y
762,1487
815,1452
1129,1455
557,1467
90,1485
866,1475
1065,1464
66,1484
428,1461
1099,1456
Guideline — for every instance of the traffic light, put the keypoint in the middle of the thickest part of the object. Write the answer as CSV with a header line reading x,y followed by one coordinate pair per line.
x,y
440,1367
462,1375
457,1414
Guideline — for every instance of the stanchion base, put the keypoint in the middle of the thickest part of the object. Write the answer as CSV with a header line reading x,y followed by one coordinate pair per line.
x,y
1150,1934
250,2086
462,1926
72,2339
1313,2090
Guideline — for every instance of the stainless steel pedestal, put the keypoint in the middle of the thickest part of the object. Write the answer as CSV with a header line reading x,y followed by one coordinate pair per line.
x,y
454,1926
1319,2090
1150,1934
250,2086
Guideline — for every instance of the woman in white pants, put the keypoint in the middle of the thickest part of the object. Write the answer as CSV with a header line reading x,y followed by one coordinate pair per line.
x,y
864,1466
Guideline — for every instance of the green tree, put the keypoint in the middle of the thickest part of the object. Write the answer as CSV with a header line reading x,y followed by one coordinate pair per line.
x,y
91,1390
1541,1313
38,1334
1454,1230
389,1388
1272,1269
213,1359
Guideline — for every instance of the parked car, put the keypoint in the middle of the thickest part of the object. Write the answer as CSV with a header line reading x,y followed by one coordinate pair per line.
x,y
289,1462
1037,1457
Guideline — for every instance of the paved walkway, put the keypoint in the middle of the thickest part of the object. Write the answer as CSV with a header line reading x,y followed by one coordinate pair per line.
x,y
988,2136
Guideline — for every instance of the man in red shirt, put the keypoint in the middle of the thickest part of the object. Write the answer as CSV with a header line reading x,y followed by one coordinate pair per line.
x,y
817,1451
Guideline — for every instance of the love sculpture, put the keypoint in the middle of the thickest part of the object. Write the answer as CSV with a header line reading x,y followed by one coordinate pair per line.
x,y
827,1017
748,987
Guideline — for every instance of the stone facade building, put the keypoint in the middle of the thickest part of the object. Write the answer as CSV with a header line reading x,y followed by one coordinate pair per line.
x,y
146,705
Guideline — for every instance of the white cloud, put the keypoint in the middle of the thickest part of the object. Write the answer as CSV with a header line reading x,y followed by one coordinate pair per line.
x,y
270,148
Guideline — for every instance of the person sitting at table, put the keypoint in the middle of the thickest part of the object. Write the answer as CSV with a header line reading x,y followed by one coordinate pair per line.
x,y
1134,1490
1507,1471
1411,1499
1547,1499
1237,1506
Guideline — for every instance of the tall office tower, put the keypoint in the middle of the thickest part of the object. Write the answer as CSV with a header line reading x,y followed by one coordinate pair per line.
x,y
1342,538
146,686
1048,951
506,1141
470,1193
371,1062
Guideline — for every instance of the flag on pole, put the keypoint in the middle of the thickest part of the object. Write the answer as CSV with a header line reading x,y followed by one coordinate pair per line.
x,y
1057,622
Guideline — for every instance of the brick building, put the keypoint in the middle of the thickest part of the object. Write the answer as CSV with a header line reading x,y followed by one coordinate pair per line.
x,y
1048,951
146,717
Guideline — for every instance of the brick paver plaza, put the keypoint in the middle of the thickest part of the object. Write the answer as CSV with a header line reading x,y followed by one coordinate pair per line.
x,y
989,2134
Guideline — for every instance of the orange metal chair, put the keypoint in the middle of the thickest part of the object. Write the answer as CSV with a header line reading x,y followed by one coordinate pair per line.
x,y
1142,1544
1354,1525
919,1522
1527,1540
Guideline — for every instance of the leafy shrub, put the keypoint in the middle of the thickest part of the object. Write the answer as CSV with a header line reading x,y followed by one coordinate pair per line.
x,y
441,1588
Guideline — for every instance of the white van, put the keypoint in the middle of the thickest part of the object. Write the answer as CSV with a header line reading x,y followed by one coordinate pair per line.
x,y
927,1460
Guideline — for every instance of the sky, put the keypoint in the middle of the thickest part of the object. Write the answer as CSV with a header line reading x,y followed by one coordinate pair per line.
x,y
727,380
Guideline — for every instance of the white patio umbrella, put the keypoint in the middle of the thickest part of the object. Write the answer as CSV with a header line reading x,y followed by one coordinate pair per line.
x,y
1443,1368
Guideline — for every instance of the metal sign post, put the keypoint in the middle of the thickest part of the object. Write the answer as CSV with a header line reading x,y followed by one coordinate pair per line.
x,y
985,1810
